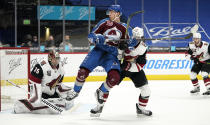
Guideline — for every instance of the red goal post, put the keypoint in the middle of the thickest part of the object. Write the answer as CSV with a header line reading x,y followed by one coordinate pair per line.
x,y
15,67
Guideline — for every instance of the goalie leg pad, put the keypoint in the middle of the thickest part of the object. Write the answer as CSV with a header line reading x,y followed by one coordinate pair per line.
x,y
19,107
24,106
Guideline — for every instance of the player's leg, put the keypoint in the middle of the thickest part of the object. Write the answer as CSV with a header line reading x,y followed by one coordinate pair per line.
x,y
140,81
205,74
193,76
112,66
90,62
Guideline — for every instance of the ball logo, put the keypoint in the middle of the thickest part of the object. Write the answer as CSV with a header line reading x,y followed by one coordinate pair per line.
x,y
164,31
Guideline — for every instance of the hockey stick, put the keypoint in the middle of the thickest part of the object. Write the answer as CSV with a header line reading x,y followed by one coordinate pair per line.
x,y
51,105
129,20
44,101
194,29
127,27
17,86
173,38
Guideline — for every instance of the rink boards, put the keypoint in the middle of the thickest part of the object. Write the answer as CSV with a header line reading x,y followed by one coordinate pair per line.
x,y
160,66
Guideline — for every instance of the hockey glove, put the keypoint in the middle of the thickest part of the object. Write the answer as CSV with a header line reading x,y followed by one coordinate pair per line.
x,y
141,61
92,38
196,60
96,38
123,45
125,65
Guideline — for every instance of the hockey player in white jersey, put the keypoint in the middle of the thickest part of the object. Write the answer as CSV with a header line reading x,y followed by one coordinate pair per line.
x,y
131,67
47,93
199,51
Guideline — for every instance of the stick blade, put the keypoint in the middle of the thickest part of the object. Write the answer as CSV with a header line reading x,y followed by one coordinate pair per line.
x,y
194,29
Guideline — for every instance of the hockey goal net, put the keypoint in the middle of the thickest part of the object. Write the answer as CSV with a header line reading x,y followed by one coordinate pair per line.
x,y
14,68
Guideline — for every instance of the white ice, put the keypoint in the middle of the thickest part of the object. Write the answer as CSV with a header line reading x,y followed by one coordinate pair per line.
x,y
170,102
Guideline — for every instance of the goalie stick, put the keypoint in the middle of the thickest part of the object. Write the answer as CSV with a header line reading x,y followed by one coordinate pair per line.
x,y
44,101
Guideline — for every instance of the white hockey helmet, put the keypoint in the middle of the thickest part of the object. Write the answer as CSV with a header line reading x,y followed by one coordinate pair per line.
x,y
138,32
53,55
197,35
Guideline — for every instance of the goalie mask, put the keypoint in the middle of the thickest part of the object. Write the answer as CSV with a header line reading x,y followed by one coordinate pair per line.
x,y
54,58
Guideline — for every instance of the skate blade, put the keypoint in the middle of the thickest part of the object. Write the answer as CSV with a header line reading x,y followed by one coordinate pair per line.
x,y
206,94
142,114
95,115
195,94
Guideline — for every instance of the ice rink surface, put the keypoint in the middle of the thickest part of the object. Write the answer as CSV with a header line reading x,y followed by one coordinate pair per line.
x,y
170,102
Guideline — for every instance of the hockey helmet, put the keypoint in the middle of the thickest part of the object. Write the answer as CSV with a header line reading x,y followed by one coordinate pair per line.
x,y
197,35
115,8
53,55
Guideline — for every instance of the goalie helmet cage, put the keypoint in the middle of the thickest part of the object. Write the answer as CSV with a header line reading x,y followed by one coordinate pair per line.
x,y
15,67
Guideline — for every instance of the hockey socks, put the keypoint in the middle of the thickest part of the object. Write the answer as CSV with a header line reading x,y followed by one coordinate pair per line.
x,y
103,88
77,88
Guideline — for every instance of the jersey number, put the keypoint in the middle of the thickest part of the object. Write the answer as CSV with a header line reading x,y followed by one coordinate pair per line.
x,y
36,70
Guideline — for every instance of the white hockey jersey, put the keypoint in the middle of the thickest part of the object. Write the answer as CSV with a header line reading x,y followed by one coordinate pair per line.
x,y
200,52
139,50
48,77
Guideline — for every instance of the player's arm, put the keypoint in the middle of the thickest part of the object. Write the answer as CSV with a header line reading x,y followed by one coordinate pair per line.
x,y
95,36
141,59
35,79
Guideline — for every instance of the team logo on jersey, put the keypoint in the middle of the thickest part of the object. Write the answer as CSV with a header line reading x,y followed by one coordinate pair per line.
x,y
113,33
49,72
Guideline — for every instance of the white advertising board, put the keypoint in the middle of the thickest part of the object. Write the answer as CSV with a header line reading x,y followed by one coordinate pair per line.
x,y
157,64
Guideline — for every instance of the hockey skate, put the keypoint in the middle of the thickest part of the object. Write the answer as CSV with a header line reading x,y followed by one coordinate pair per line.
x,y
195,90
142,111
95,112
207,92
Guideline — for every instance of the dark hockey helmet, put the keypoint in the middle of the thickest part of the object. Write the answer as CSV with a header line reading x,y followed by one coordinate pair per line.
x,y
116,8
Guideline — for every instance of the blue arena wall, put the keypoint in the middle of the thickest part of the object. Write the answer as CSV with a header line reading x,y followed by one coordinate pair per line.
x,y
156,16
